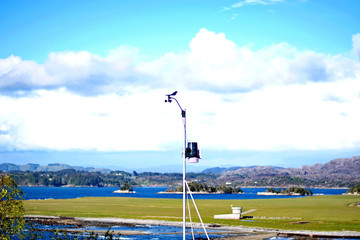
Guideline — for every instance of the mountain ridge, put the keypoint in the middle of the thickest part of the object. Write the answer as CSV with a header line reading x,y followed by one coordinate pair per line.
x,y
51,167
337,169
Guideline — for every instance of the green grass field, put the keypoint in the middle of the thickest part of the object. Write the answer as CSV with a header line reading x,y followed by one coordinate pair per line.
x,y
321,213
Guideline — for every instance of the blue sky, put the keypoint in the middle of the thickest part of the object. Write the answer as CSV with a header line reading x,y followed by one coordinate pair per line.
x,y
265,82
32,29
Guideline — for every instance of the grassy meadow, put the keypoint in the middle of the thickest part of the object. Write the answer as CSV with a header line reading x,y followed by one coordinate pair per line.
x,y
322,213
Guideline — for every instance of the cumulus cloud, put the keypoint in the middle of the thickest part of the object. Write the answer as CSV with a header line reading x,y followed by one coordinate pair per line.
x,y
274,98
82,71
16,73
212,62
216,63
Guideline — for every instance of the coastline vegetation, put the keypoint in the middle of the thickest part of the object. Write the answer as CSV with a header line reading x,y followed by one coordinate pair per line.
x,y
354,189
70,177
290,191
126,187
197,187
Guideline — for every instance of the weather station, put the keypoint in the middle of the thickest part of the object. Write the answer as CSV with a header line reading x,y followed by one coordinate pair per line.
x,y
193,154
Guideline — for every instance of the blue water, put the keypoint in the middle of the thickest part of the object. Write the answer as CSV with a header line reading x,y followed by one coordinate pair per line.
x,y
148,192
153,232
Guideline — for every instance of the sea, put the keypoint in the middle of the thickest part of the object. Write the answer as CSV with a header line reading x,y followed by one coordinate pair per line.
x,y
33,193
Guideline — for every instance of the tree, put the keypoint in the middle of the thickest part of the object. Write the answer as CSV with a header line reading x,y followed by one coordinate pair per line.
x,y
354,189
11,208
126,187
271,190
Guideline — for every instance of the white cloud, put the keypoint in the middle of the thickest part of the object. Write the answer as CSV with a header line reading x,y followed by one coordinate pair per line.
x,y
312,116
254,2
60,120
218,64
212,62
356,45
77,70
287,117
21,73
275,98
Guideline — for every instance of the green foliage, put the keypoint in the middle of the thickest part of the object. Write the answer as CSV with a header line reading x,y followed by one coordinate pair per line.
x,y
298,190
97,179
14,226
271,190
354,189
57,179
226,189
11,208
126,187
202,187
291,190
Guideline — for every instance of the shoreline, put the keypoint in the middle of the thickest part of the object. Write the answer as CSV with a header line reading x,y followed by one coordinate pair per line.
x,y
159,186
237,230
197,193
124,191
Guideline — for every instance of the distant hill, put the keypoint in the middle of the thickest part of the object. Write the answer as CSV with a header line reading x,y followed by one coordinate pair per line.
x,y
343,172
54,167
218,170
344,169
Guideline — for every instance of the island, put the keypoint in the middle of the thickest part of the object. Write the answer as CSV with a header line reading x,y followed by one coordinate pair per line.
x,y
125,188
291,191
202,188
354,190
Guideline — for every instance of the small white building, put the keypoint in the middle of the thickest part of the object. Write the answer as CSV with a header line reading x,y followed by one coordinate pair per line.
x,y
236,214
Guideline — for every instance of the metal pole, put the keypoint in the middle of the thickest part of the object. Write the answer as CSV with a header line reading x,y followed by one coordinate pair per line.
x,y
183,114
202,223
171,97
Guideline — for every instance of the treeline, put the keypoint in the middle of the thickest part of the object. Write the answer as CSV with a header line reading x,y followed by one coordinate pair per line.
x,y
354,189
290,191
69,177
202,187
118,178
98,179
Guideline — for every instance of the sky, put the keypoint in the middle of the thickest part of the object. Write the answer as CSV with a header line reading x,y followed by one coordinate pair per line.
x,y
263,82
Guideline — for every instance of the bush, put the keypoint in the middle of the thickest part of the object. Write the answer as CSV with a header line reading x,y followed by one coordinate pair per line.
x,y
126,187
354,189
202,187
290,191
11,208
